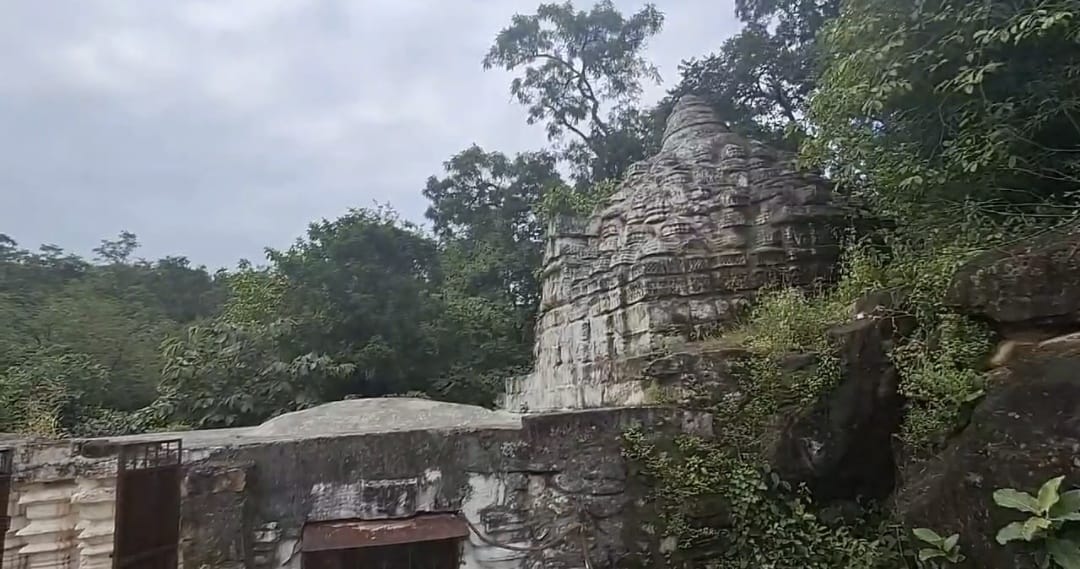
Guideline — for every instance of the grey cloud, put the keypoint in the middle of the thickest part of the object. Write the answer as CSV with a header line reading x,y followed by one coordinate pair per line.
x,y
213,128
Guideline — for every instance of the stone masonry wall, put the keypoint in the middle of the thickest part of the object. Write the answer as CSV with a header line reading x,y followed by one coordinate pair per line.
x,y
545,493
529,489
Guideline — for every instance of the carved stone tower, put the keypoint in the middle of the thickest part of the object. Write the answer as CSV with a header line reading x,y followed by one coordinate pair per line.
x,y
682,247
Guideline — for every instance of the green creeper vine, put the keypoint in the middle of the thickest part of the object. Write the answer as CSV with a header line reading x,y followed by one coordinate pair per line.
x,y
766,522
565,200
763,522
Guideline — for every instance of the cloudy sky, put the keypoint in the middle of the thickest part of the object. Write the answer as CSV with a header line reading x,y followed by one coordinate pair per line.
x,y
215,128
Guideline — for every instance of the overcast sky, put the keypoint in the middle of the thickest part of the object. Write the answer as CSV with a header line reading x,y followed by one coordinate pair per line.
x,y
215,128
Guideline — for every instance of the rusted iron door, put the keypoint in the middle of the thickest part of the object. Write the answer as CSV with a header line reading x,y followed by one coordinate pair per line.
x,y
424,542
147,506
5,494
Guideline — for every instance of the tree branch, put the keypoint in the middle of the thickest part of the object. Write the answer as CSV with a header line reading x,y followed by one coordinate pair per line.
x,y
559,118
784,102
584,86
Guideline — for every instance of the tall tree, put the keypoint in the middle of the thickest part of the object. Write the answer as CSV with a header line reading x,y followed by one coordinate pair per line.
x,y
255,295
362,291
580,74
122,337
96,328
760,79
185,293
30,274
117,251
226,375
484,209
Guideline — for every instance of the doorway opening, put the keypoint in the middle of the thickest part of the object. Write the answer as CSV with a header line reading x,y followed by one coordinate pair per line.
x,y
148,505
442,554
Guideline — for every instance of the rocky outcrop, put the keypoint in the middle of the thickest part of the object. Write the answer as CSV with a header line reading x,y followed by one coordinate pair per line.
x,y
682,247
842,447
1024,433
1027,428
1033,284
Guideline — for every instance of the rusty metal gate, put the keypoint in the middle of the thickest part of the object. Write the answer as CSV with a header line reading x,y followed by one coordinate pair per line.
x,y
5,493
148,506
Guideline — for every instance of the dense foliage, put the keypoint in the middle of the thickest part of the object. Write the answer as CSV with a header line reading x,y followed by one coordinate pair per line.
x,y
925,105
81,338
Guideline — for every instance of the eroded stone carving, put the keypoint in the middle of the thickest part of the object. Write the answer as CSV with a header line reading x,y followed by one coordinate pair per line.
x,y
683,246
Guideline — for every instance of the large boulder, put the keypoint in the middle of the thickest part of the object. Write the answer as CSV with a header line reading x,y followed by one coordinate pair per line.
x,y
1032,284
842,447
1025,432
682,247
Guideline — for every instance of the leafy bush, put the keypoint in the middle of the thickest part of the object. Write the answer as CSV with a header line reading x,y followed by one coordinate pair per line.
x,y
566,200
940,370
223,375
1050,525
921,106
767,523
48,393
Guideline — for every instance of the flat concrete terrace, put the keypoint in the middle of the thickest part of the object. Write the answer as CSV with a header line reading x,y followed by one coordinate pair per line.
x,y
351,417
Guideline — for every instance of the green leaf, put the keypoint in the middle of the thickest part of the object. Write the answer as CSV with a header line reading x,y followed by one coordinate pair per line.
x,y
1048,494
1032,526
1011,532
1016,500
1064,552
928,554
928,535
1067,507
950,542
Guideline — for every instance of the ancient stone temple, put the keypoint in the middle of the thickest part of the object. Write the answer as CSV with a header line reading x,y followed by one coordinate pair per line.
x,y
689,238
681,248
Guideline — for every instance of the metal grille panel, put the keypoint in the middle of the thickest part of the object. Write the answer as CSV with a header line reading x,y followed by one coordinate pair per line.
x,y
6,468
148,506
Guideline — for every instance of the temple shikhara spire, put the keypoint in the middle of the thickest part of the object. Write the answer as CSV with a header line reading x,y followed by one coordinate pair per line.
x,y
681,248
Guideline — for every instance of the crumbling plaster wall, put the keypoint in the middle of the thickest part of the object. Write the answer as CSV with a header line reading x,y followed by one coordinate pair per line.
x,y
279,486
537,495
246,506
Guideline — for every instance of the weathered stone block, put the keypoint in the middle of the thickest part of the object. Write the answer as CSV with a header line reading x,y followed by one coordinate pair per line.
x,y
1032,284
842,447
1024,433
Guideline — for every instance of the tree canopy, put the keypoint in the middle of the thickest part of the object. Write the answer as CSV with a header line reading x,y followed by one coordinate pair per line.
x,y
924,107
580,74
